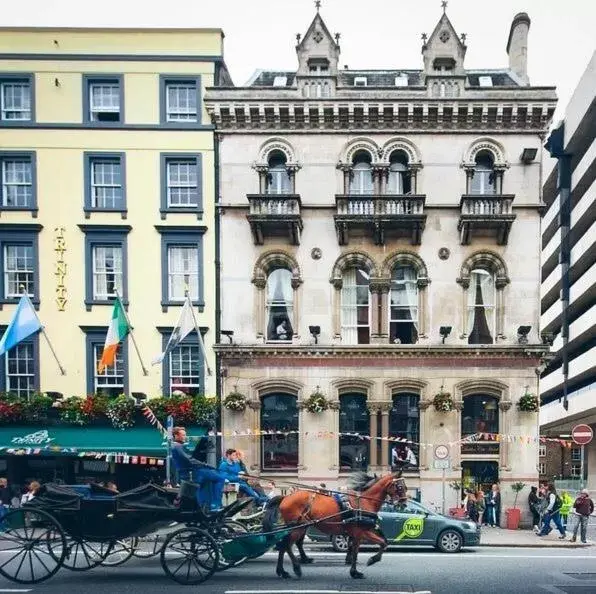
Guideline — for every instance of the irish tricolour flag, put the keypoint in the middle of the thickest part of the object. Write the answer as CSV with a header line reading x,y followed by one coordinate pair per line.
x,y
117,331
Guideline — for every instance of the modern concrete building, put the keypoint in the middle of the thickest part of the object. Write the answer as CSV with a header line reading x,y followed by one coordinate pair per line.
x,y
108,181
568,289
380,237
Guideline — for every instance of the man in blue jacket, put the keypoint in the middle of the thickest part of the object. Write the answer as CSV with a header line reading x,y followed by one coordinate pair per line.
x,y
190,469
231,469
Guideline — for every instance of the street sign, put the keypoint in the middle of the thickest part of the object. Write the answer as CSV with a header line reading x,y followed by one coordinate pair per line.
x,y
582,434
170,427
441,452
442,464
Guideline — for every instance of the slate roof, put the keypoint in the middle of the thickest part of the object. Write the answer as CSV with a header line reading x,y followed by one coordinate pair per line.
x,y
383,78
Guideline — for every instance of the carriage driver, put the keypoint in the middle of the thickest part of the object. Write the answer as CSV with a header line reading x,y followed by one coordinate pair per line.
x,y
211,481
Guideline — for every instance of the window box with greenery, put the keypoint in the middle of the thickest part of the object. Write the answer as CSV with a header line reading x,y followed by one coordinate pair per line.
x,y
316,403
235,401
35,410
443,402
529,403
186,410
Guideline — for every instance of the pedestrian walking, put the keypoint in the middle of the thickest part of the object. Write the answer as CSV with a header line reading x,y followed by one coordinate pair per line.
x,y
494,506
471,508
583,507
534,505
553,513
481,505
566,506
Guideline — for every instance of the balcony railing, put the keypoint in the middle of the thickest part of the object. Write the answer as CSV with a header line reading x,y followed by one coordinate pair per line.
x,y
275,214
380,214
481,213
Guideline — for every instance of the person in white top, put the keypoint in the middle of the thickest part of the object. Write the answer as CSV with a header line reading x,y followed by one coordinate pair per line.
x,y
31,491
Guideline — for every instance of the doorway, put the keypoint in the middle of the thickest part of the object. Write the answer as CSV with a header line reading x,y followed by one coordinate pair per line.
x,y
479,474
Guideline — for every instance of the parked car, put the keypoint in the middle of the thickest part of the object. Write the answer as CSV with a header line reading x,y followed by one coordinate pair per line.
x,y
412,524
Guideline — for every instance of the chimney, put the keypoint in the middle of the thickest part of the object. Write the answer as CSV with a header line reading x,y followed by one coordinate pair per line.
x,y
517,46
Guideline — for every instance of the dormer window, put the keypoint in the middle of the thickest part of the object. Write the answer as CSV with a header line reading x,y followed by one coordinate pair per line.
x,y
361,179
401,80
399,181
483,176
318,66
278,177
360,81
443,64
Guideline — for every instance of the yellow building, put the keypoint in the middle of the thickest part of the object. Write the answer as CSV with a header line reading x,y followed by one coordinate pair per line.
x,y
108,185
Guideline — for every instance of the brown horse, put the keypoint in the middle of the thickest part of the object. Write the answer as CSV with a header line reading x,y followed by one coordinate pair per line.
x,y
367,495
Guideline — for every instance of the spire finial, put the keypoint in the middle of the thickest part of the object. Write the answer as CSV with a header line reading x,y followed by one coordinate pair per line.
x,y
337,36
444,6
318,5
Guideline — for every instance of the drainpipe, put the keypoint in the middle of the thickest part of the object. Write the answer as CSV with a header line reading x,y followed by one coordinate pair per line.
x,y
217,229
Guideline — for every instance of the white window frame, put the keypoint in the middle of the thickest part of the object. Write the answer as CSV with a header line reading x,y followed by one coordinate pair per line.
x,y
29,281
105,380
576,470
100,189
101,271
360,81
345,308
108,107
576,454
24,351
180,113
191,189
10,113
272,304
541,468
190,274
394,287
490,309
195,364
542,450
25,172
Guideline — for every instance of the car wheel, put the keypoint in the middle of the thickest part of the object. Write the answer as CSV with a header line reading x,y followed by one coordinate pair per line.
x,y
450,541
340,543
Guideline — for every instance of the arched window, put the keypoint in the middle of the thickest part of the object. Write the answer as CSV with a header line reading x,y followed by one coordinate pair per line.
x,y
361,181
278,178
480,414
403,312
355,306
481,324
279,413
483,177
404,422
353,418
399,174
280,305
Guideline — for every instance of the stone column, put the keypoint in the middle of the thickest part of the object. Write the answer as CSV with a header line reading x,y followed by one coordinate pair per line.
x,y
334,406
379,288
262,170
254,418
423,283
504,424
414,169
259,310
456,449
336,313
385,408
500,285
425,433
296,282
465,285
373,411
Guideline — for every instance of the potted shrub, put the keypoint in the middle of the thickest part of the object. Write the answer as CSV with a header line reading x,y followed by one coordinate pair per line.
x,y
443,402
458,511
121,412
235,401
513,513
529,403
316,403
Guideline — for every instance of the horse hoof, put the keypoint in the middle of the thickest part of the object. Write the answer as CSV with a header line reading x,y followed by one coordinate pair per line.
x,y
357,575
284,574
307,561
372,561
297,570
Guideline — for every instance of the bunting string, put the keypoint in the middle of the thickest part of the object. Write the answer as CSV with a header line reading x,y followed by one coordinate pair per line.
x,y
153,420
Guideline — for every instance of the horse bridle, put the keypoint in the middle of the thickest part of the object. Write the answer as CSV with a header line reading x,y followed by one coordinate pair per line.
x,y
399,489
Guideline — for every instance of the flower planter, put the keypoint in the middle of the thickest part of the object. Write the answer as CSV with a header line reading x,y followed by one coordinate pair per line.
x,y
457,512
513,516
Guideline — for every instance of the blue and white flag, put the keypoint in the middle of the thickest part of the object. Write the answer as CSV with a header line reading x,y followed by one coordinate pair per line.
x,y
23,324
186,324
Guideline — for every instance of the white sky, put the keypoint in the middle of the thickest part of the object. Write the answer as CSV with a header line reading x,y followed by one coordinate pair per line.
x,y
374,33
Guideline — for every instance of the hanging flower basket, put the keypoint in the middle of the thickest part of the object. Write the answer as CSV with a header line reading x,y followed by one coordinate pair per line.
x,y
121,412
529,403
316,403
443,402
235,401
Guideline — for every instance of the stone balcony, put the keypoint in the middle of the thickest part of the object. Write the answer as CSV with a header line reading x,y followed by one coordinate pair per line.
x,y
379,215
484,215
275,215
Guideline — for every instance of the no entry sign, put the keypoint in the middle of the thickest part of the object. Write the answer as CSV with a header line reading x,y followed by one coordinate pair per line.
x,y
582,434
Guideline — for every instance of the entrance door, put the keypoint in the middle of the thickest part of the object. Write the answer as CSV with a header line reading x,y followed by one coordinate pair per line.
x,y
479,474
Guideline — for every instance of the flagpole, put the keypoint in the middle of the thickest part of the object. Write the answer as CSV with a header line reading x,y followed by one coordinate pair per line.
x,y
198,329
134,341
43,331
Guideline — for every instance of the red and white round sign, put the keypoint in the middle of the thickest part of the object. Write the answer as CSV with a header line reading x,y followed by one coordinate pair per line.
x,y
582,434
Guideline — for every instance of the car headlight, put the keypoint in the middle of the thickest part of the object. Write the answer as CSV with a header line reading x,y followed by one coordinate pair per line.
x,y
471,526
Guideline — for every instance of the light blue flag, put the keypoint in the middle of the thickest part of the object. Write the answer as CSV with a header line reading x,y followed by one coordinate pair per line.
x,y
23,324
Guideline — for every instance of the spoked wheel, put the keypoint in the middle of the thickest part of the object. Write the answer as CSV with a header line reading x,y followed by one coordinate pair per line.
x,y
148,546
26,556
227,531
189,556
82,555
119,552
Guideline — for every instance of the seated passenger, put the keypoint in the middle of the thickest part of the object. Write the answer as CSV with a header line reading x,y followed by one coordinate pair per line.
x,y
231,469
190,469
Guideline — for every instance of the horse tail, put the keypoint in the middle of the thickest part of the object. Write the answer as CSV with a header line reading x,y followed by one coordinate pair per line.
x,y
271,515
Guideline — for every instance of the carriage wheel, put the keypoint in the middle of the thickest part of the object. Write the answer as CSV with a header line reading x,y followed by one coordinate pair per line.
x,y
227,531
119,552
148,546
27,557
189,556
82,555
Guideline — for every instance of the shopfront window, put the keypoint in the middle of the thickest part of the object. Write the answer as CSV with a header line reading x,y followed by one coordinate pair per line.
x,y
279,414
353,419
404,423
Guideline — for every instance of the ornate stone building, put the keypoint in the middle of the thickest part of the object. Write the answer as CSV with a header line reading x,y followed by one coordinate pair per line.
x,y
380,245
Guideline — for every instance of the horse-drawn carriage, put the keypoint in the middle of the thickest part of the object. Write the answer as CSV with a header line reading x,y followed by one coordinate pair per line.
x,y
81,527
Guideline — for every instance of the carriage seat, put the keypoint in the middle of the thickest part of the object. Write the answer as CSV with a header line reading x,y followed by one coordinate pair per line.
x,y
349,515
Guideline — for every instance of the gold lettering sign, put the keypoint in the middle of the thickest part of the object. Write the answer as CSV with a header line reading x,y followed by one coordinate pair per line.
x,y
60,268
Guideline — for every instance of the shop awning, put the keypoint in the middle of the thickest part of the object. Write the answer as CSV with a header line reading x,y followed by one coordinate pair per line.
x,y
86,439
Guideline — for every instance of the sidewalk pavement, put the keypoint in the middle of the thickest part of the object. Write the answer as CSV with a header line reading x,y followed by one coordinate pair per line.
x,y
501,537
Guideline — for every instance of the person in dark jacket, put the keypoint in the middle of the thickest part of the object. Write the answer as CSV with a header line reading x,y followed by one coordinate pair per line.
x,y
189,468
552,513
534,505
584,508
493,505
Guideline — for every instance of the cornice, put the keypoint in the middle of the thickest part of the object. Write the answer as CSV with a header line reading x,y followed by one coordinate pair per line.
x,y
377,351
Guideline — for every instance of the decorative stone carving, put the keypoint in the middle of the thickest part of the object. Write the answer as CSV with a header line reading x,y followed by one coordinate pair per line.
x,y
505,405
444,253
385,407
254,404
373,407
458,405
424,404
334,405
